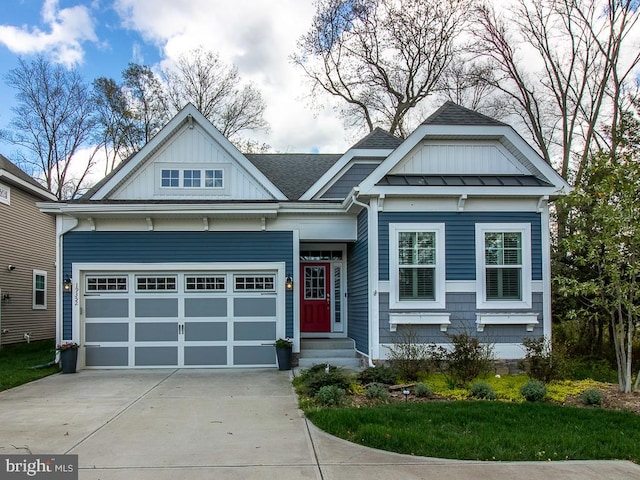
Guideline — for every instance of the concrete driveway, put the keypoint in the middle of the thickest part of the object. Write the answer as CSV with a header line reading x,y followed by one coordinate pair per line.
x,y
202,424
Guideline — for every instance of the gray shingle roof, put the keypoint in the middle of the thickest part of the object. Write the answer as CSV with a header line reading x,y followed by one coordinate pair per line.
x,y
379,139
13,169
293,173
463,181
453,114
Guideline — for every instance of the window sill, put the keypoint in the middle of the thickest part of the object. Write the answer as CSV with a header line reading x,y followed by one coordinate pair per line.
x,y
441,319
530,320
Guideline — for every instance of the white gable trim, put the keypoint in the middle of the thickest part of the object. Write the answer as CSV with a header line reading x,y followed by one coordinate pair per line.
x,y
504,134
323,183
28,187
169,130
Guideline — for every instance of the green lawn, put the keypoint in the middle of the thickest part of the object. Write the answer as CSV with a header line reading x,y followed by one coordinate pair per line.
x,y
479,430
17,362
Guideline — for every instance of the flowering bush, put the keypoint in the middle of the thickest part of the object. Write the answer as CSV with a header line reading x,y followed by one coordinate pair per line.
x,y
67,346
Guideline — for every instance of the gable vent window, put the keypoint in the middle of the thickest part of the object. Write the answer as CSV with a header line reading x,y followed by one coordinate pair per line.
x,y
170,178
191,179
213,179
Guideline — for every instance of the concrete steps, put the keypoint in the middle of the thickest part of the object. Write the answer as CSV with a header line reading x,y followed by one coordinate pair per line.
x,y
340,352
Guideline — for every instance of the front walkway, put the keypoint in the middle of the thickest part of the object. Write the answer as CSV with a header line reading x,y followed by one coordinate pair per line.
x,y
202,424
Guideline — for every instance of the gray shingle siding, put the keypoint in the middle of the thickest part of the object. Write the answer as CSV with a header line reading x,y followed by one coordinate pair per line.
x,y
358,286
350,179
154,247
460,251
462,307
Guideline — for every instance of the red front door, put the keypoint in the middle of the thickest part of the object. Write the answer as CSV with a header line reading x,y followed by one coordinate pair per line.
x,y
315,310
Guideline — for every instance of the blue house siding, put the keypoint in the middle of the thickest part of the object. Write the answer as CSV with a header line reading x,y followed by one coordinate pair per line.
x,y
159,247
462,307
460,262
358,286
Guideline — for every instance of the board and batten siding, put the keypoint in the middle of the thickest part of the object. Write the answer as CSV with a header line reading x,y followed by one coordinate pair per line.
x,y
28,243
177,247
460,253
191,148
358,286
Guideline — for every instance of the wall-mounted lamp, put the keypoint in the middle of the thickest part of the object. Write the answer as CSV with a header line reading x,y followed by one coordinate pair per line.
x,y
289,283
66,286
11,268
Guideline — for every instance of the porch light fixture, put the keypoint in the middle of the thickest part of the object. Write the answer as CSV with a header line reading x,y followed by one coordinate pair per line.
x,y
289,283
66,286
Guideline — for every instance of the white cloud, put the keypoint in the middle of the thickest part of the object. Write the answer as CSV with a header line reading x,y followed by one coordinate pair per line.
x,y
66,30
256,36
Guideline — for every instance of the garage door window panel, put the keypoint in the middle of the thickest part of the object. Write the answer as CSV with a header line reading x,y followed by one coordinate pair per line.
x,y
157,284
107,284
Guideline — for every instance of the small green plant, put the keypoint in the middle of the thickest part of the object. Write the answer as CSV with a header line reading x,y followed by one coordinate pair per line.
x,y
483,391
312,380
380,374
330,396
468,358
284,343
544,361
533,391
592,397
376,392
409,356
422,390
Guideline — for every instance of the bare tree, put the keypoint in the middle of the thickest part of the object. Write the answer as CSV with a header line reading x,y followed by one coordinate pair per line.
x,y
119,134
147,101
381,58
52,122
562,66
216,90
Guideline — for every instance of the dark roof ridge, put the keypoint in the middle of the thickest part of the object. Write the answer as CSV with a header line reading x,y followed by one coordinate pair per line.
x,y
450,113
378,138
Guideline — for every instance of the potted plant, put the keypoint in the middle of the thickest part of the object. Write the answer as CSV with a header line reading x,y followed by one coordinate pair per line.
x,y
284,347
68,356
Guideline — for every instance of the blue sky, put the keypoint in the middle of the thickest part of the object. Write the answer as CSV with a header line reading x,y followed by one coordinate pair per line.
x,y
101,37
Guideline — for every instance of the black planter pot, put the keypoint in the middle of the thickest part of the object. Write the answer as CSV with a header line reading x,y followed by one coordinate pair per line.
x,y
284,358
69,360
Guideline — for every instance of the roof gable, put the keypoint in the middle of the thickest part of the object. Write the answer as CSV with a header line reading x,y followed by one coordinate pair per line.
x,y
11,173
451,113
191,146
378,139
458,141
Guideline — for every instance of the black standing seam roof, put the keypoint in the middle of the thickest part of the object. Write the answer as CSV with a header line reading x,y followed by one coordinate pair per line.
x,y
463,181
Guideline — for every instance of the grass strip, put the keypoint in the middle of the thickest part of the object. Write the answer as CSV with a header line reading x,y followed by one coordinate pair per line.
x,y
17,362
481,430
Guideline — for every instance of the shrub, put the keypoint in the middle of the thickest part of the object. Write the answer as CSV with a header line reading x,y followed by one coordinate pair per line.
x,y
592,396
422,390
380,374
533,390
594,369
376,392
330,396
408,356
312,380
467,359
544,361
483,391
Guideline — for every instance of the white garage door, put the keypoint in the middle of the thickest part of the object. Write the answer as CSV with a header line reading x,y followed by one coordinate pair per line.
x,y
180,319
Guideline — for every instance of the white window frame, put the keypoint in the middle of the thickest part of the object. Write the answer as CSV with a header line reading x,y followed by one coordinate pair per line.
x,y
5,194
481,281
440,269
36,306
170,178
214,178
102,284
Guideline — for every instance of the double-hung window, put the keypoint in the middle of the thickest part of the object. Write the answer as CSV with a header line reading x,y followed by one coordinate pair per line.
x,y
39,290
503,268
416,265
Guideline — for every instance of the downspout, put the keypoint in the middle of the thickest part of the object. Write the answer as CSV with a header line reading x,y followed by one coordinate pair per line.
x,y
61,229
355,201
